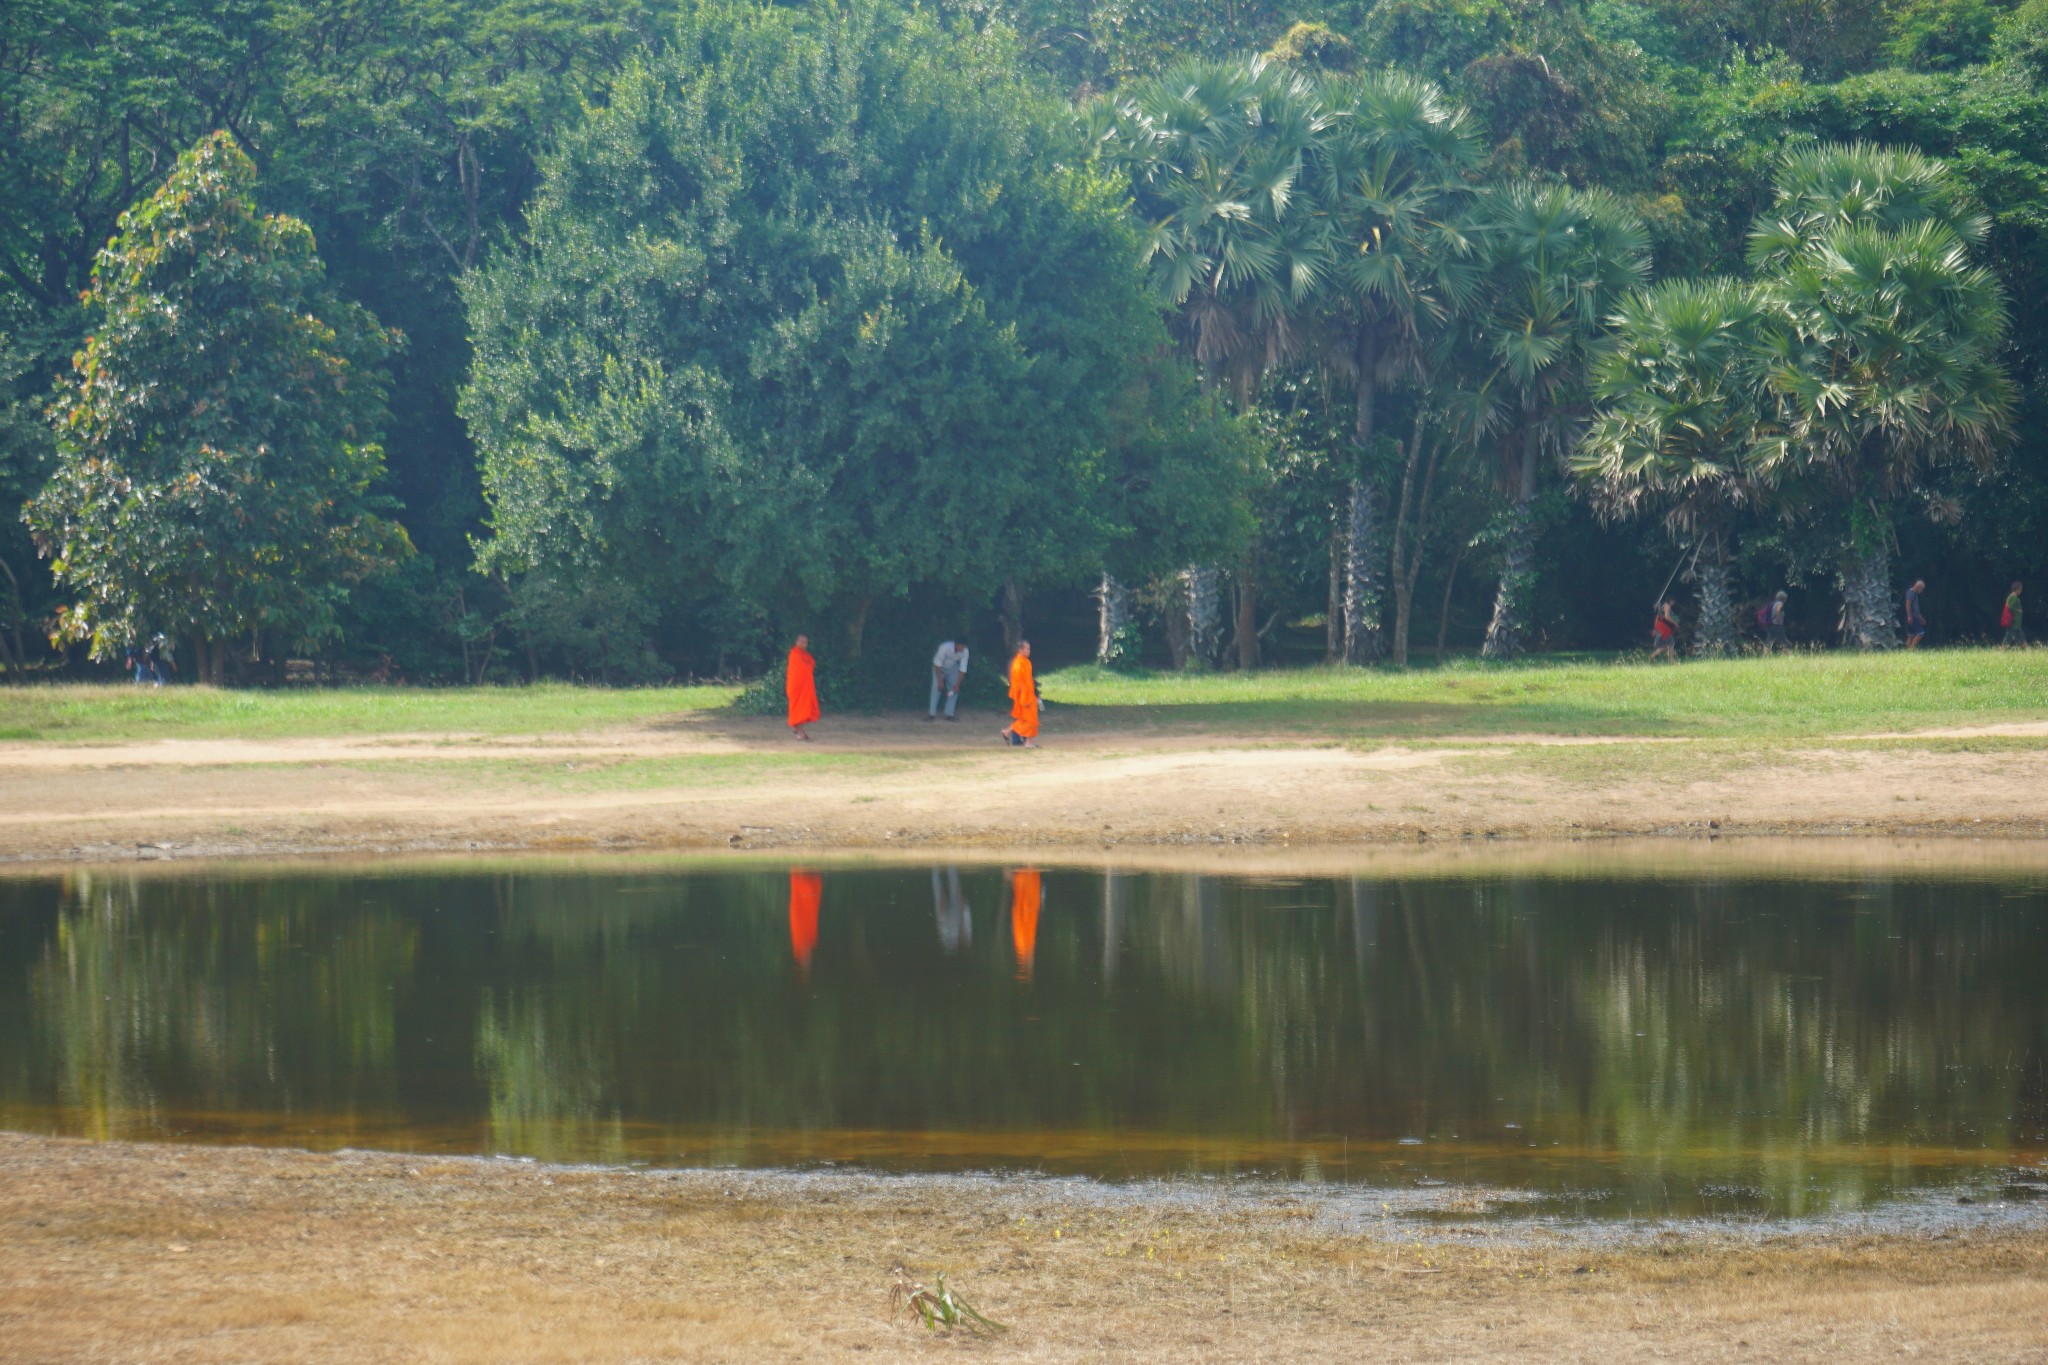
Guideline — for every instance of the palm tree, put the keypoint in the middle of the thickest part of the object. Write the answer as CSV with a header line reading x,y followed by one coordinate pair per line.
x,y
1882,353
1835,184
1216,153
1682,406
1557,261
1393,178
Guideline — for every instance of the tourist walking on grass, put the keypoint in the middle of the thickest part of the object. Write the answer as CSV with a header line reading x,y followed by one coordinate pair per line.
x,y
157,660
800,685
2013,619
1664,631
1916,620
1023,727
949,670
1773,618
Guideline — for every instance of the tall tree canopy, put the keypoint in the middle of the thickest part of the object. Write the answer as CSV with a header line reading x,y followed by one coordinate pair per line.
x,y
1885,357
824,306
218,434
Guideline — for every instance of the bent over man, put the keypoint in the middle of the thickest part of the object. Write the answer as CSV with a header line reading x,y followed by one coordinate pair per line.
x,y
949,670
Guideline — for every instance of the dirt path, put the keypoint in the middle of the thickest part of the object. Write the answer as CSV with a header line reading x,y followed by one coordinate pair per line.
x,y
712,780
117,1253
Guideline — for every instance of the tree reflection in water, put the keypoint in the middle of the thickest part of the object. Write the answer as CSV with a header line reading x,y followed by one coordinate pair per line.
x,y
1797,1042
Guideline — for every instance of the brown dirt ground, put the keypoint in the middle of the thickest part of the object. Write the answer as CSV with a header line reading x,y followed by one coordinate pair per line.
x,y
118,1253
715,781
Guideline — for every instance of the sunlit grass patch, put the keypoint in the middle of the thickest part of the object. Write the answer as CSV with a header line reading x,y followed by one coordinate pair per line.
x,y
84,712
1787,695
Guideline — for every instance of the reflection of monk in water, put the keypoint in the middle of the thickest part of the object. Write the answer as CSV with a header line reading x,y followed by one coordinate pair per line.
x,y
1025,893
804,890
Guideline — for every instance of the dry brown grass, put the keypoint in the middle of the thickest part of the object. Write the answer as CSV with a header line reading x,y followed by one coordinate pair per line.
x,y
116,1253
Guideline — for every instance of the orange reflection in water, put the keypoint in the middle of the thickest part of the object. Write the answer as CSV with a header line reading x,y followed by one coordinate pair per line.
x,y
804,890
1025,893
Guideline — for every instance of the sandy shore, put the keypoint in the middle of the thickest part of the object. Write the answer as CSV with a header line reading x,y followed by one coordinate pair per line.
x,y
116,1253
711,780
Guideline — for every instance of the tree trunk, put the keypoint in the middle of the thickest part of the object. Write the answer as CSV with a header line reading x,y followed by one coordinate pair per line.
x,y
1362,642
1172,595
1443,616
209,661
1013,617
1506,633
1404,607
1205,613
1247,613
1333,623
1867,620
16,651
856,627
1113,614
1716,638
1411,532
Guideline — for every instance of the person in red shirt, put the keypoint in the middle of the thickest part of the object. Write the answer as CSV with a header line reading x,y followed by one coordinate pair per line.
x,y
1664,631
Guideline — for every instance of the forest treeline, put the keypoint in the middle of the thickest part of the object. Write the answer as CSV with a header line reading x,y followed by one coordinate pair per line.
x,y
471,339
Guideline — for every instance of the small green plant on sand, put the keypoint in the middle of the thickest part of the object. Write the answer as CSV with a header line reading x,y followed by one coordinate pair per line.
x,y
942,1310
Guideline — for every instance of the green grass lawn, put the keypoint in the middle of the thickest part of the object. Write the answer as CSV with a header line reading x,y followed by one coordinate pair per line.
x,y
124,711
1788,695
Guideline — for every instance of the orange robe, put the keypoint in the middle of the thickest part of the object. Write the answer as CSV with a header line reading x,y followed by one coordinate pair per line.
x,y
1025,894
1023,698
804,890
801,684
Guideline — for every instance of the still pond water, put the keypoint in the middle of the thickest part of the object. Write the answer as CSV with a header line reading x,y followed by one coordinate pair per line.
x,y
1631,1046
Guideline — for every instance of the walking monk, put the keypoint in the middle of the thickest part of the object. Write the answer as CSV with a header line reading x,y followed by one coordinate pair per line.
x,y
1023,726
800,682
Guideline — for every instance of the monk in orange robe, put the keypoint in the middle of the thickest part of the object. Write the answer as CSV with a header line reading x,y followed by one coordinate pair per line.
x,y
800,683
1023,726
804,890
1025,894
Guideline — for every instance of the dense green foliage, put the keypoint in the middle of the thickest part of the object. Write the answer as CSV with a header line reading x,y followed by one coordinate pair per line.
x,y
217,436
832,314
812,315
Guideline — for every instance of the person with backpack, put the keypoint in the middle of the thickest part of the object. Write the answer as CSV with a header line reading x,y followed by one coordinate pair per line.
x,y
1916,620
1770,619
2014,619
1664,631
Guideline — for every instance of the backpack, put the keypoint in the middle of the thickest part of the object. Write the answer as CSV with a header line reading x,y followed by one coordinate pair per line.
x,y
2005,617
1763,616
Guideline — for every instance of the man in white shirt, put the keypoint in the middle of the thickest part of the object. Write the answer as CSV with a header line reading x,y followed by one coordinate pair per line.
x,y
949,666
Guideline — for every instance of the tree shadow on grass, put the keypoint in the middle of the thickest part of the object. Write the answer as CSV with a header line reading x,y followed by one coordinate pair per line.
x,y
1289,718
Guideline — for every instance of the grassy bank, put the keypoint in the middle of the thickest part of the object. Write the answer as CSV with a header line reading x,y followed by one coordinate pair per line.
x,y
1788,695
83,713
1792,696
